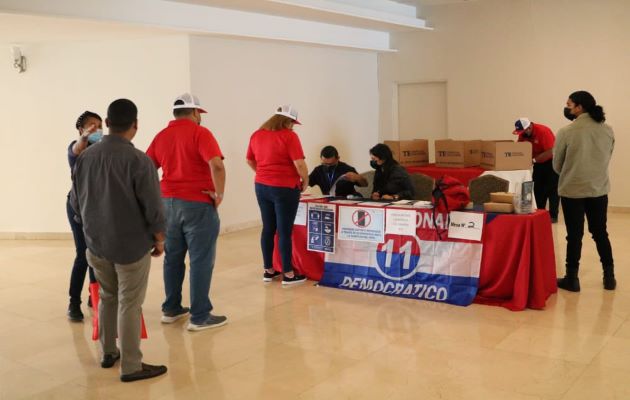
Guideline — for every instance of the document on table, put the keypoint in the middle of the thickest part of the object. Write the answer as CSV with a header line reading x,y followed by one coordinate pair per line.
x,y
373,204
344,201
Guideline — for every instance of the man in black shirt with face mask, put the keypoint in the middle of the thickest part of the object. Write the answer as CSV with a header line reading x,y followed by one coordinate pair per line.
x,y
335,177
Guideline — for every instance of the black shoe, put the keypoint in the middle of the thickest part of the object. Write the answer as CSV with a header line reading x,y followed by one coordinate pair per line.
x,y
292,281
610,283
570,284
148,371
74,313
267,277
109,360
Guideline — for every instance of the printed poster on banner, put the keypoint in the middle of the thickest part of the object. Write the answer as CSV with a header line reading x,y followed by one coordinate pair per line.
x,y
321,227
362,224
422,266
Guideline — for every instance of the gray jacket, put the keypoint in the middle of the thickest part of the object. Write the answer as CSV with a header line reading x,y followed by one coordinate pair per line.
x,y
581,156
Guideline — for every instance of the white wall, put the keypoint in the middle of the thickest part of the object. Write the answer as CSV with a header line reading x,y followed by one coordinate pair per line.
x,y
506,59
239,81
242,82
38,110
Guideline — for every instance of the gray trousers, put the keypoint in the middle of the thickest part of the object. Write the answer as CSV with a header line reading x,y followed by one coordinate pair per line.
x,y
122,291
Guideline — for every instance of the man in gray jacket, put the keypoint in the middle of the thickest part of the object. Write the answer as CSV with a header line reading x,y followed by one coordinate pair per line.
x,y
116,193
581,156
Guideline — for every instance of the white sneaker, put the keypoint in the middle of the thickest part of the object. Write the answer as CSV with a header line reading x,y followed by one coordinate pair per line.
x,y
170,317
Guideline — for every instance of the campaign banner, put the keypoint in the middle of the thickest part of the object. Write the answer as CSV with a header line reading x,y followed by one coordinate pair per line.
x,y
321,227
425,266
363,224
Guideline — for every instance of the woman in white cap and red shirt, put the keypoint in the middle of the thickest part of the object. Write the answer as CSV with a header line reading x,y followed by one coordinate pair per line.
x,y
275,154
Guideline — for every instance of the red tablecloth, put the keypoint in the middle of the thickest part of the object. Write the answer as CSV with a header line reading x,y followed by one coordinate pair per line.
x,y
463,174
518,263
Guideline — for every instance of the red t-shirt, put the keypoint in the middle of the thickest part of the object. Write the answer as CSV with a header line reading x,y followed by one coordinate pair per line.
x,y
183,150
542,139
274,153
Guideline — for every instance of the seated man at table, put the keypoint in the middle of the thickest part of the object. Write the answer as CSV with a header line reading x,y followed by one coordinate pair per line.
x,y
335,174
545,178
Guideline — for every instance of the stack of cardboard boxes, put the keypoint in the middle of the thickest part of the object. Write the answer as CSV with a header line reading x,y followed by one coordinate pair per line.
x,y
495,155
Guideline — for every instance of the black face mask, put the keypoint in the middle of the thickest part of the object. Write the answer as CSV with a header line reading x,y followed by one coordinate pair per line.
x,y
568,115
373,164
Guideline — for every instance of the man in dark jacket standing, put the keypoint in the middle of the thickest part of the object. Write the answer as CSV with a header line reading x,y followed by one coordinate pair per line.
x,y
116,193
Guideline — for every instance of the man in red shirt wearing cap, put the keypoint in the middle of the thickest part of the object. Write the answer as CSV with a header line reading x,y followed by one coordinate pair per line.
x,y
193,180
545,178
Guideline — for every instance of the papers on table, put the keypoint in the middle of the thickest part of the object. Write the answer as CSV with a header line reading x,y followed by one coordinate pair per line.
x,y
345,201
314,197
423,204
373,204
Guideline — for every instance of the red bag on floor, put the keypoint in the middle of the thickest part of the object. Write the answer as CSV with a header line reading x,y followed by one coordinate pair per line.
x,y
95,298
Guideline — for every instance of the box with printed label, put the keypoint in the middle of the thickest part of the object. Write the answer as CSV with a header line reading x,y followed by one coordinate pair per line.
x,y
410,153
457,153
506,155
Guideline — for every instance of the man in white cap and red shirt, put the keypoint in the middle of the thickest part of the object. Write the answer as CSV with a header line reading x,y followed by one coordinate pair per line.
x,y
545,178
193,182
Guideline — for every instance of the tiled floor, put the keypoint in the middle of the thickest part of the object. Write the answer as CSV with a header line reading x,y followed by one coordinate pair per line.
x,y
309,342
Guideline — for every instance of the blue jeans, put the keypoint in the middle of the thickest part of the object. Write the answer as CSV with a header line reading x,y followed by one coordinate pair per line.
x,y
278,207
80,266
191,227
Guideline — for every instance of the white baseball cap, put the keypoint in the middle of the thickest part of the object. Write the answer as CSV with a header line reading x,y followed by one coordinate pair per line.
x,y
187,100
289,112
521,124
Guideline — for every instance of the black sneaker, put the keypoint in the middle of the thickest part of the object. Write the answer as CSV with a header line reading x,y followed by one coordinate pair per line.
x,y
109,360
267,277
147,371
213,321
292,281
74,312
172,316
570,284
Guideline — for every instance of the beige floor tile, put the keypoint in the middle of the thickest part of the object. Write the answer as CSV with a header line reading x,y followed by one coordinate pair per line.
x,y
600,383
554,343
310,342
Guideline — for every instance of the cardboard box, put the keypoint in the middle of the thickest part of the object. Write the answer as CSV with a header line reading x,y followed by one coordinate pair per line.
x,y
457,153
498,207
410,153
506,155
502,197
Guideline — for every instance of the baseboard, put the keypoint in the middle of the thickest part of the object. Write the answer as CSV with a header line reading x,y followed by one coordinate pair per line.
x,y
68,236
35,235
240,227
619,209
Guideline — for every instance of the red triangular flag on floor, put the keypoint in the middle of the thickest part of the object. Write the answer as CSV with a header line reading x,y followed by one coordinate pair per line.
x,y
95,298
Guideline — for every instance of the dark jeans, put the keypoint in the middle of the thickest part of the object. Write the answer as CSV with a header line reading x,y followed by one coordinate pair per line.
x,y
546,187
595,209
80,267
278,207
191,227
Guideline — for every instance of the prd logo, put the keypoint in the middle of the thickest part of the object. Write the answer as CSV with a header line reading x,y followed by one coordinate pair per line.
x,y
361,218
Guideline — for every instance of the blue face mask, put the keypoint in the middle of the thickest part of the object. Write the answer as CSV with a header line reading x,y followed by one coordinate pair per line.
x,y
95,137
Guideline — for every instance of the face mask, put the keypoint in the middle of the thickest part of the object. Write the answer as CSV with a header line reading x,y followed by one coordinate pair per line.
x,y
95,137
568,115
373,164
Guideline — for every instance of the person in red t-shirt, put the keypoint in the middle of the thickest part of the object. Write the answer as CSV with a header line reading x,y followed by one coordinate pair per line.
x,y
193,182
545,178
275,154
